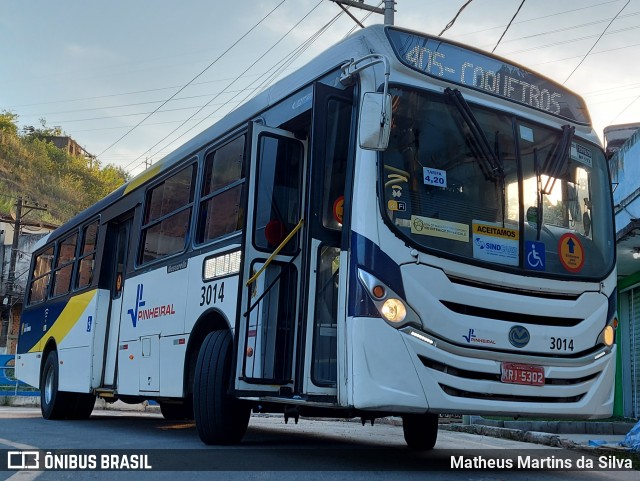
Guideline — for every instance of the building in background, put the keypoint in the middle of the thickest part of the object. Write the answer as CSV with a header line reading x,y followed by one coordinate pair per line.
x,y
11,302
625,174
615,136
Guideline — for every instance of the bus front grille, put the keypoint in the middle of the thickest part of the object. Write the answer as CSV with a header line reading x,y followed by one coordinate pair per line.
x,y
485,376
451,391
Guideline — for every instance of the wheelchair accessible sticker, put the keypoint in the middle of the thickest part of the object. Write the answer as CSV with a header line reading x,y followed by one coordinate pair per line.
x,y
535,255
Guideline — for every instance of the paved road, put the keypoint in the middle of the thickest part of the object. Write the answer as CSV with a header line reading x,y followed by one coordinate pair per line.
x,y
271,449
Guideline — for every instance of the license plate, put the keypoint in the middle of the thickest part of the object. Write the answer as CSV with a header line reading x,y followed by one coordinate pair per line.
x,y
513,373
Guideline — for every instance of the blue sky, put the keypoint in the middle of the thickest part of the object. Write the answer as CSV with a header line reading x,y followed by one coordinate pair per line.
x,y
96,69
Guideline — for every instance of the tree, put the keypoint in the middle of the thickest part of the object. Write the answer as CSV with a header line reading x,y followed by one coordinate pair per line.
x,y
8,123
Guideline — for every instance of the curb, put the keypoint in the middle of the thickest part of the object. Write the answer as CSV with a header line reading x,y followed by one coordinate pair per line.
x,y
558,427
546,439
536,437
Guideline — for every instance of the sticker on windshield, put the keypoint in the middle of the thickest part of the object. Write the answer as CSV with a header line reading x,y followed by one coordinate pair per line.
x,y
581,154
571,253
495,243
435,177
535,255
439,228
526,133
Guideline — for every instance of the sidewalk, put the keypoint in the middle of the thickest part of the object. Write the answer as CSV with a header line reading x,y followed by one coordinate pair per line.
x,y
596,437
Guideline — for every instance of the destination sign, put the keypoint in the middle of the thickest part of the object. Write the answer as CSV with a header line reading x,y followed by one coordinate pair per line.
x,y
485,73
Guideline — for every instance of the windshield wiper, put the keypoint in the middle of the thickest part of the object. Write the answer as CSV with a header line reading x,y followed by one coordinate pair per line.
x,y
552,167
490,163
555,162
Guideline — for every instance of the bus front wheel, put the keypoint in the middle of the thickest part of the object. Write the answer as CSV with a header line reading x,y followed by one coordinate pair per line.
x,y
420,430
220,418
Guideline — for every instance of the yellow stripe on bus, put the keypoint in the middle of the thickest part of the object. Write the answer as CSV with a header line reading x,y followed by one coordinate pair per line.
x,y
142,178
67,318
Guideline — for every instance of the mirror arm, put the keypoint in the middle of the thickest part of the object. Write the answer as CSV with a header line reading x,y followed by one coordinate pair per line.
x,y
354,67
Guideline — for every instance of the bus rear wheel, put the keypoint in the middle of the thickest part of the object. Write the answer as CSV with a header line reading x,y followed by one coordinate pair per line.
x,y
53,403
420,431
56,404
220,418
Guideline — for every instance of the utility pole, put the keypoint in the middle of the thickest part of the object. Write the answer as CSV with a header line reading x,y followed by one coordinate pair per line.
x,y
11,275
387,11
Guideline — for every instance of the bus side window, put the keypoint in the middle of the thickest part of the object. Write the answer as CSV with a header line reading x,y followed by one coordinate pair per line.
x,y
87,258
167,216
220,210
41,275
64,266
278,196
338,129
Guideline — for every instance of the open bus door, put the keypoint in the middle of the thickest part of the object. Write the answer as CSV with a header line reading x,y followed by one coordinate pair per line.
x,y
289,327
270,299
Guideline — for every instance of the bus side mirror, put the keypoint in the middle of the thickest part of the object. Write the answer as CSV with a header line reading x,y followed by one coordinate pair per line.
x,y
375,121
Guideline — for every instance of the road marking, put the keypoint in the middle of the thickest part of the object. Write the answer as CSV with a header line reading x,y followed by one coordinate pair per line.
x,y
21,475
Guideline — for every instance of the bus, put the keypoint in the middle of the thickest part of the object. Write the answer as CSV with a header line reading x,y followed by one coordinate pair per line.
x,y
406,226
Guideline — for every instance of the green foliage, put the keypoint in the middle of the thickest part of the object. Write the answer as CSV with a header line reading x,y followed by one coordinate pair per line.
x,y
33,167
8,123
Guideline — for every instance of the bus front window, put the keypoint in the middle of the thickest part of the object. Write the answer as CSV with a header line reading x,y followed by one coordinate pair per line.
x,y
469,182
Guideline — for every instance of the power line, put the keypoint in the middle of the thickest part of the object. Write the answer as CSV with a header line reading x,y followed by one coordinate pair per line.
x,y
572,40
277,69
564,29
453,20
556,14
596,42
579,56
194,78
624,110
223,90
510,22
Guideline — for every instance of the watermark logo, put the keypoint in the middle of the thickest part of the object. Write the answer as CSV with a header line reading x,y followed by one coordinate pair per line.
x,y
23,460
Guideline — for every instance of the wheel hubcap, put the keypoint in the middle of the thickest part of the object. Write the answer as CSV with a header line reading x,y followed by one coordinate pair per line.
x,y
48,387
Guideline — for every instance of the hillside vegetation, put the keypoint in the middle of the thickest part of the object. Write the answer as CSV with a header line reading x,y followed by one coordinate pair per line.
x,y
42,173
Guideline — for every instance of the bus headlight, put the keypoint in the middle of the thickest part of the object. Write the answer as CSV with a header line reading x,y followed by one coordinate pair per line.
x,y
389,304
394,310
608,336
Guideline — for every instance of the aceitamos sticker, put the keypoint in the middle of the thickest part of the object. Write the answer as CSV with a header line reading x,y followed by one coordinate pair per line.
x,y
495,243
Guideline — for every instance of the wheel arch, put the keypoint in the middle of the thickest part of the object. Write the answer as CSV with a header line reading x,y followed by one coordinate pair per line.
x,y
50,345
211,320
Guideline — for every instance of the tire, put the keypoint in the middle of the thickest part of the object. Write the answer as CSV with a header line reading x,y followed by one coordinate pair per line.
x,y
177,411
53,403
420,431
80,405
220,418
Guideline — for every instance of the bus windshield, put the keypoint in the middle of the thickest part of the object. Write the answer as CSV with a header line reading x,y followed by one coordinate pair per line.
x,y
487,187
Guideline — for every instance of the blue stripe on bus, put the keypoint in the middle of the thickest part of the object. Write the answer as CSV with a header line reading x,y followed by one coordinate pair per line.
x,y
369,256
34,317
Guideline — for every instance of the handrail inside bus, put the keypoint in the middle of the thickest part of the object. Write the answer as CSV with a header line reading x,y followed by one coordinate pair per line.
x,y
276,252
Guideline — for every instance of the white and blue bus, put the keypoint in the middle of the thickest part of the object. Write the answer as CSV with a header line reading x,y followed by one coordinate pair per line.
x,y
404,227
